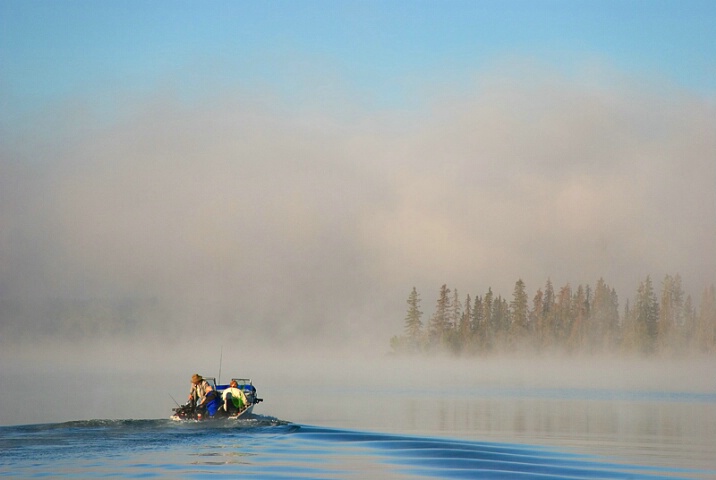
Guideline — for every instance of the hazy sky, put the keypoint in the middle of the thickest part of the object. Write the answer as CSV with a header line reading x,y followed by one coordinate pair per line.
x,y
300,166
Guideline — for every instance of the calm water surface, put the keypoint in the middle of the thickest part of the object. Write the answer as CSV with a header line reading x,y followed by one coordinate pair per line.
x,y
323,432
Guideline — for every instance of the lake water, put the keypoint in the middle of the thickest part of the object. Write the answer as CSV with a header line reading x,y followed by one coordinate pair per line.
x,y
446,421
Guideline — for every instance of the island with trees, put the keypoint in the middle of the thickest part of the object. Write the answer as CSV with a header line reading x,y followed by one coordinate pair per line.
x,y
571,320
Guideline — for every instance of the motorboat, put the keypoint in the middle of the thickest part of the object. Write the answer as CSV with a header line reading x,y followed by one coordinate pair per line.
x,y
228,410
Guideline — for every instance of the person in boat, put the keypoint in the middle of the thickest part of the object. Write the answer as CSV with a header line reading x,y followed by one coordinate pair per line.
x,y
234,398
210,404
198,389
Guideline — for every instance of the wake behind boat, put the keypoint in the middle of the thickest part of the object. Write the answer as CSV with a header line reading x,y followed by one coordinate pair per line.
x,y
233,400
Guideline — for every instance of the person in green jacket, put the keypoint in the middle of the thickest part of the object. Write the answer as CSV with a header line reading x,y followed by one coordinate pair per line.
x,y
234,398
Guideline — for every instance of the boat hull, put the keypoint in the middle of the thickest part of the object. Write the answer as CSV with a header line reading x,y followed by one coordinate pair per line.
x,y
245,412
184,415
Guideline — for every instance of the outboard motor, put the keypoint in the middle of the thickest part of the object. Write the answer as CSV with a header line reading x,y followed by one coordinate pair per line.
x,y
185,412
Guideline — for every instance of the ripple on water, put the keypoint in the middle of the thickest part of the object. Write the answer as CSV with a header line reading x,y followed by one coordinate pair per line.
x,y
265,447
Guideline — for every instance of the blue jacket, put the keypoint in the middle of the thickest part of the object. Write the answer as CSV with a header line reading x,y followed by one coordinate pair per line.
x,y
212,403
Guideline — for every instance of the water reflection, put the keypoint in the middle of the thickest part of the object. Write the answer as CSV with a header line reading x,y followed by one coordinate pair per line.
x,y
637,427
631,424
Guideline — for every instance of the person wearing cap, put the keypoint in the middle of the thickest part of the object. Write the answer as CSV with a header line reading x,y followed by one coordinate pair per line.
x,y
234,398
199,387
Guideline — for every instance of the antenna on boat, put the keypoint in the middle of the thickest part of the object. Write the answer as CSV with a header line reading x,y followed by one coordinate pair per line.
x,y
221,358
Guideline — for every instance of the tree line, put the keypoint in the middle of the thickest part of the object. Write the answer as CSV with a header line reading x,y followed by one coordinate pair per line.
x,y
573,320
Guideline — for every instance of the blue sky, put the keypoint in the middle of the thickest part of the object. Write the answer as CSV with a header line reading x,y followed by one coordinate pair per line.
x,y
51,50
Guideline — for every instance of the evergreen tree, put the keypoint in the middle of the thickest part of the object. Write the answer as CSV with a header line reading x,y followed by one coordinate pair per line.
x,y
647,315
706,326
671,315
490,327
536,319
460,336
604,321
454,336
688,332
549,298
519,326
563,316
624,327
413,322
455,311
547,337
440,322
578,321
501,321
466,322
478,325
633,332
614,323
640,325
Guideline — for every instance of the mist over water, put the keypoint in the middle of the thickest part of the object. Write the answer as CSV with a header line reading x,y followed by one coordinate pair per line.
x,y
137,380
629,412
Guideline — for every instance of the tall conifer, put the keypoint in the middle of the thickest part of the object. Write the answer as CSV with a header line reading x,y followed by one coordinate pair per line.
x,y
519,309
413,323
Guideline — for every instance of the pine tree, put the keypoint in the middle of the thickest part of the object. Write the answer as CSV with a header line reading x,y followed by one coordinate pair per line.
x,y
536,319
706,324
440,322
640,323
671,315
478,325
604,321
548,296
548,335
578,321
455,311
490,327
455,340
633,332
627,326
614,323
647,315
563,315
413,323
688,332
466,322
501,321
519,312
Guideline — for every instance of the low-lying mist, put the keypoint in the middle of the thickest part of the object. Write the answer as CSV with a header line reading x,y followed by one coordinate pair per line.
x,y
63,382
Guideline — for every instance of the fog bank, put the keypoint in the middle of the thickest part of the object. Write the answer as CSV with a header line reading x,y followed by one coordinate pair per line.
x,y
311,225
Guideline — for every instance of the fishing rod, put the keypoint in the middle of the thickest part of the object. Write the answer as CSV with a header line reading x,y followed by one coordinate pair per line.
x,y
174,400
221,358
